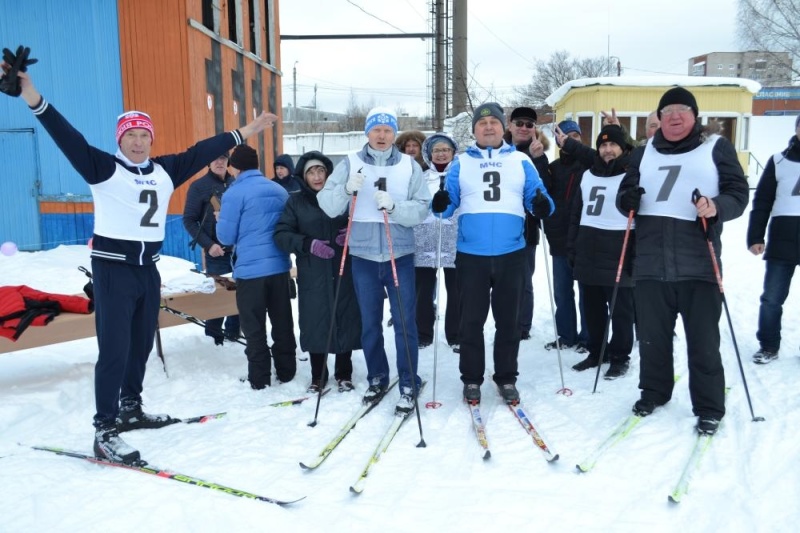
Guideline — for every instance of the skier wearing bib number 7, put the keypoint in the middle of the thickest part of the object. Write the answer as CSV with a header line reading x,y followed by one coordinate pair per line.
x,y
672,267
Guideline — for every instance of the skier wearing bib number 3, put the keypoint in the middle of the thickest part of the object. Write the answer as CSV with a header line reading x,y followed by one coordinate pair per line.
x,y
493,185
131,192
672,265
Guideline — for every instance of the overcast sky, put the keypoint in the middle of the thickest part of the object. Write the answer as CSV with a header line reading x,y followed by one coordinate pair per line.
x,y
504,41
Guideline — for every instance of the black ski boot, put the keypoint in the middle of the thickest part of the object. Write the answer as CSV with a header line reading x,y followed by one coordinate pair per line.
x,y
108,445
375,392
132,417
509,393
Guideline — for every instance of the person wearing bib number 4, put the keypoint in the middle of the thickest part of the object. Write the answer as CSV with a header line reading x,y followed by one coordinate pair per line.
x,y
493,185
131,192
672,268
776,196
380,181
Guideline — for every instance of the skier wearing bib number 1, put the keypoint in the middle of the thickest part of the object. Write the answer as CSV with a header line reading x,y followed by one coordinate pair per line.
x,y
131,192
493,185
672,265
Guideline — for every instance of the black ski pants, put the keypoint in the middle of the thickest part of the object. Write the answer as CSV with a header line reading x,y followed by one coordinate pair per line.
x,y
343,367
127,299
426,312
256,298
699,303
484,281
596,303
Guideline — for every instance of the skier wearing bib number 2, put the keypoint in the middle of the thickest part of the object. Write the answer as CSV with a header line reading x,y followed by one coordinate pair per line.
x,y
672,265
493,185
131,192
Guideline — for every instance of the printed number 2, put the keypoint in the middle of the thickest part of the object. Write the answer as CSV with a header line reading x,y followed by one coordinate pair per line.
x,y
596,196
669,182
493,179
149,197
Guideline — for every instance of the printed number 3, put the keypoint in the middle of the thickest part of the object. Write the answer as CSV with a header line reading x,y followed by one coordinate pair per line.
x,y
493,179
148,196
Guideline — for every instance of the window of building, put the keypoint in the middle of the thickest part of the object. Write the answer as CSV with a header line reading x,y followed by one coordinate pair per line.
x,y
233,19
252,25
719,67
731,67
211,15
727,127
585,123
268,15
761,64
641,129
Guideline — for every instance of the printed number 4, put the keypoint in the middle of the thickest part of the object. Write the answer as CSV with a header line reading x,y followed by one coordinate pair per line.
x,y
148,196
493,179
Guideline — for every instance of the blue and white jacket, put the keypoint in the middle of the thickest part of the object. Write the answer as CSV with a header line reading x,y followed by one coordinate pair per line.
x,y
488,226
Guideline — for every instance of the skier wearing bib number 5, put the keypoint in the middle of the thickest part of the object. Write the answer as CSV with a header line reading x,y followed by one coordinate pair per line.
x,y
672,266
492,185
131,192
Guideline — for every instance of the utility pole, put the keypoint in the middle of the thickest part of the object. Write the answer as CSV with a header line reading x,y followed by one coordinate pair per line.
x,y
459,57
294,104
439,66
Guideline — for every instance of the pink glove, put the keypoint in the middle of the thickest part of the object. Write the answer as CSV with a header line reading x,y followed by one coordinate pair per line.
x,y
340,238
321,249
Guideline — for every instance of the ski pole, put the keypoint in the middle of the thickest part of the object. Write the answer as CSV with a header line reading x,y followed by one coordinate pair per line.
x,y
382,187
335,300
563,390
193,319
695,198
613,298
433,404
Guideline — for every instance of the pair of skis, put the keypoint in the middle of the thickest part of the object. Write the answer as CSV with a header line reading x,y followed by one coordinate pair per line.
x,y
144,468
701,446
522,417
397,422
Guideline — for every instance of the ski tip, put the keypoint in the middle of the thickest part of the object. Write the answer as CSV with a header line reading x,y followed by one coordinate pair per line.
x,y
289,502
674,498
356,489
487,455
553,459
582,469
304,466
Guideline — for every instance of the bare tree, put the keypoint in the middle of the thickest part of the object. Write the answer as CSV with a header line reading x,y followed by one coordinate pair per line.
x,y
356,113
772,26
560,68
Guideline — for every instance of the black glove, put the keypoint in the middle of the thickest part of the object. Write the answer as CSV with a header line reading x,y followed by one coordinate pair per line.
x,y
541,205
18,62
630,199
440,201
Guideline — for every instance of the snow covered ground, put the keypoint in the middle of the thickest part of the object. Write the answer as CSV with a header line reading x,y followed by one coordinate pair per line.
x,y
748,481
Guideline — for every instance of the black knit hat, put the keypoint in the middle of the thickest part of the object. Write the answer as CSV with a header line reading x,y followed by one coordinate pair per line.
x,y
611,134
523,112
489,109
677,95
244,158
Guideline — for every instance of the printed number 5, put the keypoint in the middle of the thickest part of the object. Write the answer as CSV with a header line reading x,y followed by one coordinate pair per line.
x,y
148,196
493,179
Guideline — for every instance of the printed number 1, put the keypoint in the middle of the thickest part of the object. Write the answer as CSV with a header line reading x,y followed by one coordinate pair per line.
x,y
148,196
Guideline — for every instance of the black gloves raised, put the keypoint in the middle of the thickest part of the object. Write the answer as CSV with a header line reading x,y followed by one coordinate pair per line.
x,y
630,199
18,62
541,205
440,201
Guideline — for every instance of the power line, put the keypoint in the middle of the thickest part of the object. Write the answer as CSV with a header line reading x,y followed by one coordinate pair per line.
x,y
528,60
375,16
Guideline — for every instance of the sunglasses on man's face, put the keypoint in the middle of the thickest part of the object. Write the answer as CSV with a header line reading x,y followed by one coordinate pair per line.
x,y
521,123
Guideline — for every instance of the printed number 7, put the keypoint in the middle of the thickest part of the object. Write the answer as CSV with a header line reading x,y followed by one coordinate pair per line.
x,y
669,182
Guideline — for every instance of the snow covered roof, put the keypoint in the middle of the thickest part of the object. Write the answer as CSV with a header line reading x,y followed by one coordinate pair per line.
x,y
653,81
